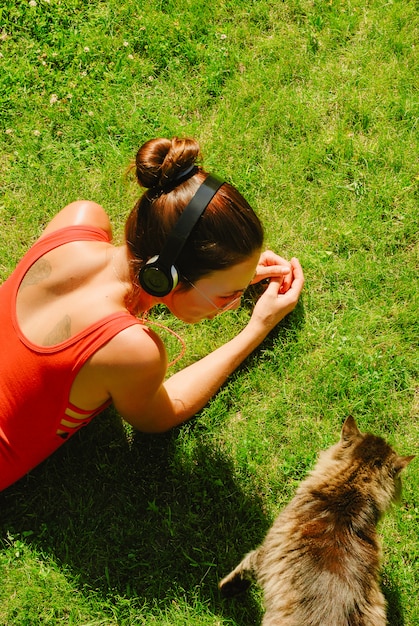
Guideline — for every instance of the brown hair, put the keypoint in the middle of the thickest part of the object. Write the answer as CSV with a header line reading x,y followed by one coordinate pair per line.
x,y
227,233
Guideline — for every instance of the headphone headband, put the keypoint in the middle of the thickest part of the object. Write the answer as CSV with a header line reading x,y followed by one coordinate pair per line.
x,y
159,275
187,220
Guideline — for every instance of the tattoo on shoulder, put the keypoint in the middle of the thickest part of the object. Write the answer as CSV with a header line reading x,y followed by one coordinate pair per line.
x,y
59,333
39,271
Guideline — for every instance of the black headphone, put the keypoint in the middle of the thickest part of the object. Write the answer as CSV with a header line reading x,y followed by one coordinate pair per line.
x,y
159,275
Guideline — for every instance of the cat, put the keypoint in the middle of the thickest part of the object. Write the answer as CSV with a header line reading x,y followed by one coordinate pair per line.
x,y
319,563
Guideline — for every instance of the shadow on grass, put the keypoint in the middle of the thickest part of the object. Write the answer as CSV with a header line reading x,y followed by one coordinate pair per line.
x,y
149,518
394,608
144,517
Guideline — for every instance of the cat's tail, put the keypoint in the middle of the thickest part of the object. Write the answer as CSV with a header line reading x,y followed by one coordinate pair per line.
x,y
240,578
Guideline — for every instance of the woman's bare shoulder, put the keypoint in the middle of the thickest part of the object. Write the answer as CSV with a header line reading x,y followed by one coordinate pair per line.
x,y
132,369
80,213
134,347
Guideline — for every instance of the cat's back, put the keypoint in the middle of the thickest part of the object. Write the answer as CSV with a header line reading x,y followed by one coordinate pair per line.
x,y
318,565
329,525
320,559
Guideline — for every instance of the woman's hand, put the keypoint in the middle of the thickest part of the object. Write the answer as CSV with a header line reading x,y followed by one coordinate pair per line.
x,y
273,266
282,293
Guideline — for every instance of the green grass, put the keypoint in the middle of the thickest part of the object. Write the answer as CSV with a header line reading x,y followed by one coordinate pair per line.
x,y
311,108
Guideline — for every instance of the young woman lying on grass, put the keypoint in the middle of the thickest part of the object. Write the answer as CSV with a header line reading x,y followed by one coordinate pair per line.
x,y
71,339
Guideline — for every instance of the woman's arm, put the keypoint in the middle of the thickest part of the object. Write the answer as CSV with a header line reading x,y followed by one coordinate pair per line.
x,y
151,405
196,384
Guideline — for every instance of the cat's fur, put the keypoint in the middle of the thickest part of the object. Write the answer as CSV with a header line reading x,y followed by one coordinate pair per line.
x,y
319,563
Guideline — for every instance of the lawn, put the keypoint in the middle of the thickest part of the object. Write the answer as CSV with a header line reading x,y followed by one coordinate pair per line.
x,y
311,109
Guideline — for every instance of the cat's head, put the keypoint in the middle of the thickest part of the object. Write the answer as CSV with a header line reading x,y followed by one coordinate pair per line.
x,y
380,463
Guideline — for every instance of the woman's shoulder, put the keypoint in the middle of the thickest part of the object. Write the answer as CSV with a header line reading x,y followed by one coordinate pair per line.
x,y
131,366
136,345
80,213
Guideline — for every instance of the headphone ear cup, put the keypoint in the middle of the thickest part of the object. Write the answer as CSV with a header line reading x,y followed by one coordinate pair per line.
x,y
156,280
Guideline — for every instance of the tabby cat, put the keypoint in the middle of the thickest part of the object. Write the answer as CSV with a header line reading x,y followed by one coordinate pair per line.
x,y
319,563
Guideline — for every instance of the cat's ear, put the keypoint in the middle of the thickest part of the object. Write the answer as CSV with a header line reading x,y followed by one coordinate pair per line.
x,y
401,462
349,431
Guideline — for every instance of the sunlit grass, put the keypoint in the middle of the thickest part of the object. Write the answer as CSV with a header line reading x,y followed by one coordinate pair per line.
x,y
311,109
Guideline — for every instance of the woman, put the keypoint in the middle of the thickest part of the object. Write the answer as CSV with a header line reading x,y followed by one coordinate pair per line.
x,y
70,338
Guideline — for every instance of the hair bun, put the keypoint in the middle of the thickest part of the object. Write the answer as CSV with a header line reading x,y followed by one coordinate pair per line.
x,y
166,163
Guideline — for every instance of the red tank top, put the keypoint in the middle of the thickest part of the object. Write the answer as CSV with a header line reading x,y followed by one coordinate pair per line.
x,y
35,381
